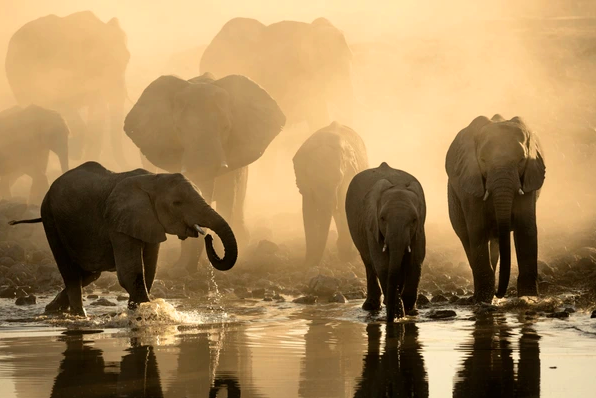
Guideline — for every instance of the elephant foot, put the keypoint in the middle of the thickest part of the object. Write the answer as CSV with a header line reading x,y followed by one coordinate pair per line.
x,y
483,298
80,311
134,304
371,305
60,304
411,311
527,287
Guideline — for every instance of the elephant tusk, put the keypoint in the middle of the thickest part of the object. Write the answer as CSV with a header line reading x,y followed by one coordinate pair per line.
x,y
384,247
199,229
521,192
485,195
409,249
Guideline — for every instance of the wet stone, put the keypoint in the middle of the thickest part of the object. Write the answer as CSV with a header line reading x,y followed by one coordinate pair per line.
x,y
242,292
570,310
16,252
441,314
122,298
558,314
593,314
338,298
460,292
258,293
530,312
8,292
305,300
439,299
268,299
92,296
7,261
322,285
422,300
103,302
453,299
279,298
27,300
355,295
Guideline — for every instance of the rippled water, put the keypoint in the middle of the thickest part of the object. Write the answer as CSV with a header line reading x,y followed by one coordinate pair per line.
x,y
233,348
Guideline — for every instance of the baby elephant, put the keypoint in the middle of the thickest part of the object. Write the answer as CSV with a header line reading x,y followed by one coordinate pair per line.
x,y
96,220
324,166
27,135
386,212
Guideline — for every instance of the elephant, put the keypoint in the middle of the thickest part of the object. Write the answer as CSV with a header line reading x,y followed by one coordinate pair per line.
x,y
306,67
96,220
495,170
386,212
27,135
210,130
74,64
324,166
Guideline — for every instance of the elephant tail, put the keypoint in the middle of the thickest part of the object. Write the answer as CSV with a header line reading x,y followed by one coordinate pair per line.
x,y
31,221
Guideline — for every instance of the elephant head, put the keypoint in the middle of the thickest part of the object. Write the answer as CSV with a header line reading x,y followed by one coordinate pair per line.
x,y
148,206
395,216
497,159
203,126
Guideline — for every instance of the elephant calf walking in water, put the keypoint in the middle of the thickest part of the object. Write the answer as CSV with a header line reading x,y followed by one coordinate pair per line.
x,y
27,135
96,220
496,169
386,211
324,166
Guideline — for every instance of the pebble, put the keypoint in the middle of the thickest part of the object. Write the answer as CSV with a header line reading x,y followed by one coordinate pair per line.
x,y
559,314
92,296
122,298
338,298
104,302
439,299
258,293
267,299
441,314
26,300
593,314
305,300
422,300
355,295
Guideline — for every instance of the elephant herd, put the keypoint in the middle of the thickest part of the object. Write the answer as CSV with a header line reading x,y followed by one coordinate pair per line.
x,y
204,132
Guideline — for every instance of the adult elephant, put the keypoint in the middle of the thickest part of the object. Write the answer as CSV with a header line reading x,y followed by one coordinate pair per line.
x,y
324,166
74,64
27,135
386,212
306,67
121,219
210,130
496,169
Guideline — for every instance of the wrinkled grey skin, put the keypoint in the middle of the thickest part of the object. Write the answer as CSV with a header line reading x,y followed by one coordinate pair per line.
x,y
324,166
96,220
386,212
27,135
306,67
496,169
74,64
210,130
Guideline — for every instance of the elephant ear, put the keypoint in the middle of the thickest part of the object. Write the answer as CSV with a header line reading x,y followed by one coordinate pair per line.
x,y
233,49
535,171
372,206
462,164
129,210
150,123
256,120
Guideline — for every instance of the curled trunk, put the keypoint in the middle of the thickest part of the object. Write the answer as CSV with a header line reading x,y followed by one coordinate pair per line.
x,y
218,225
503,202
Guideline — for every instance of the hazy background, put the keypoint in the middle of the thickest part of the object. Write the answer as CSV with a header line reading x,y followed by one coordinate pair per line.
x,y
421,70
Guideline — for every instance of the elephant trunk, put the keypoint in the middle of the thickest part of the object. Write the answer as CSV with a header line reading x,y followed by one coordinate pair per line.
x,y
217,224
503,194
395,280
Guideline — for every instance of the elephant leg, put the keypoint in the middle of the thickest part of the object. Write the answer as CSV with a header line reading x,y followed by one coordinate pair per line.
x,y
317,220
458,221
128,254
59,304
410,292
373,289
96,122
482,270
230,194
525,235
150,254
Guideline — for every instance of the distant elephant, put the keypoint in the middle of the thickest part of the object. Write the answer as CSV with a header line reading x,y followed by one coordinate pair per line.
x,y
496,169
74,64
96,220
305,67
27,135
386,212
210,130
324,166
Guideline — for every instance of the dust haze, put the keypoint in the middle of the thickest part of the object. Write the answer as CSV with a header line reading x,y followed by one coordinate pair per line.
x,y
422,71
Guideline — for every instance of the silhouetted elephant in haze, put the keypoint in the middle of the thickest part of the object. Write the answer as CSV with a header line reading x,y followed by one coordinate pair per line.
x,y
96,220
74,64
210,130
324,166
386,212
496,169
27,135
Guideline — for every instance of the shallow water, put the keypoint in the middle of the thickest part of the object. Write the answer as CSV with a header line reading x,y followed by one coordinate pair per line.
x,y
251,348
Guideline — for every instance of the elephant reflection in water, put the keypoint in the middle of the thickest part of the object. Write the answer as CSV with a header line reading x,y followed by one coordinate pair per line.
x,y
84,373
489,370
398,371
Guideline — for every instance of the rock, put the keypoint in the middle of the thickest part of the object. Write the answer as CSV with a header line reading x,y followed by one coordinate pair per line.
x,y
422,300
122,298
258,293
305,300
460,292
531,312
437,292
266,247
197,285
545,269
323,286
21,292
267,299
558,314
355,295
441,314
8,292
586,264
593,314
106,280
26,300
242,292
38,256
439,299
453,299
279,298
7,261
338,298
104,302
92,296
16,252
570,310
544,287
